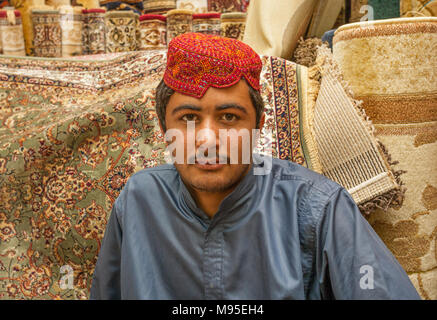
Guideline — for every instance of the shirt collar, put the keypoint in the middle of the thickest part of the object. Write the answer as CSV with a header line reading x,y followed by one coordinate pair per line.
x,y
241,195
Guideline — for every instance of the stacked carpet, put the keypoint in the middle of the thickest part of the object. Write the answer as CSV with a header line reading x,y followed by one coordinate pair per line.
x,y
71,22
153,32
197,6
232,25
47,34
94,35
58,3
121,31
396,79
179,21
135,6
208,23
158,6
25,8
89,4
80,128
11,33
228,5
289,93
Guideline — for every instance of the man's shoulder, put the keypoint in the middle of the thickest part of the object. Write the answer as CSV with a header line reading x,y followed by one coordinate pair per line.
x,y
313,192
316,184
149,179
165,173
162,171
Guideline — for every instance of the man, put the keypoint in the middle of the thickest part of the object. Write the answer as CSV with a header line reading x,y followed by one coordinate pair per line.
x,y
207,227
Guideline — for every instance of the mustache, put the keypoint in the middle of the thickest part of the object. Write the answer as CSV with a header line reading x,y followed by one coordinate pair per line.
x,y
199,158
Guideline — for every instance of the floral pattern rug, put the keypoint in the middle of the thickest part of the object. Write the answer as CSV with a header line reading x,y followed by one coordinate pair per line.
x,y
72,133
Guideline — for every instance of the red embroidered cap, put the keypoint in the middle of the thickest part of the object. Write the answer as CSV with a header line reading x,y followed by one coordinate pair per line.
x,y
198,61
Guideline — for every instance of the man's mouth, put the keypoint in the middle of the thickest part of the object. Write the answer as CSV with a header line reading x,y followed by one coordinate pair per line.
x,y
208,161
209,164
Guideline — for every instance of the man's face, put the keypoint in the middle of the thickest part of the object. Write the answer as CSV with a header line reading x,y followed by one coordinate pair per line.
x,y
219,109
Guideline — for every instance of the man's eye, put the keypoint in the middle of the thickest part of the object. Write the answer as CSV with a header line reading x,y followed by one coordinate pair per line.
x,y
189,117
229,117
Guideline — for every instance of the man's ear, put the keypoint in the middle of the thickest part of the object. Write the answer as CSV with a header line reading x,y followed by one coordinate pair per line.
x,y
161,128
262,119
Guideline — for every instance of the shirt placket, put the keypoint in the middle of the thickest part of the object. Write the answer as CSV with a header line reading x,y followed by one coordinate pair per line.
x,y
213,263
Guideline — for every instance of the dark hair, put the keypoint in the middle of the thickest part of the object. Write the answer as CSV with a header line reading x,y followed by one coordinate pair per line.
x,y
164,92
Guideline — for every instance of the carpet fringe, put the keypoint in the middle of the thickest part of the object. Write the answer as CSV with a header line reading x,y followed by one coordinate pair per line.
x,y
393,198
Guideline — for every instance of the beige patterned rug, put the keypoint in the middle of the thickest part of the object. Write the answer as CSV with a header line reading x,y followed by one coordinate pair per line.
x,y
410,231
396,79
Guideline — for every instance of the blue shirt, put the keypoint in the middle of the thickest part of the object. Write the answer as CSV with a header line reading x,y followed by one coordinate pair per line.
x,y
290,234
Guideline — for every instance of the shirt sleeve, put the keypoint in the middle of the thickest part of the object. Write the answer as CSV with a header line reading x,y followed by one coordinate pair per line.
x,y
352,262
106,278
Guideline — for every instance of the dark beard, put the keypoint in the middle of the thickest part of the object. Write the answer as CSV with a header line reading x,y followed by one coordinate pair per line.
x,y
219,187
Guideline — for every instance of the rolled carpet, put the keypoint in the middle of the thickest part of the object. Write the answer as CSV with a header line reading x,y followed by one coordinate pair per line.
x,y
153,32
233,25
88,4
348,150
121,31
11,33
47,33
229,5
158,6
208,23
391,66
25,8
178,22
94,40
197,6
71,20
135,6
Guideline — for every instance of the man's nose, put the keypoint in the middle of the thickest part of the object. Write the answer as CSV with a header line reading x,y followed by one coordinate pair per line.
x,y
206,133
